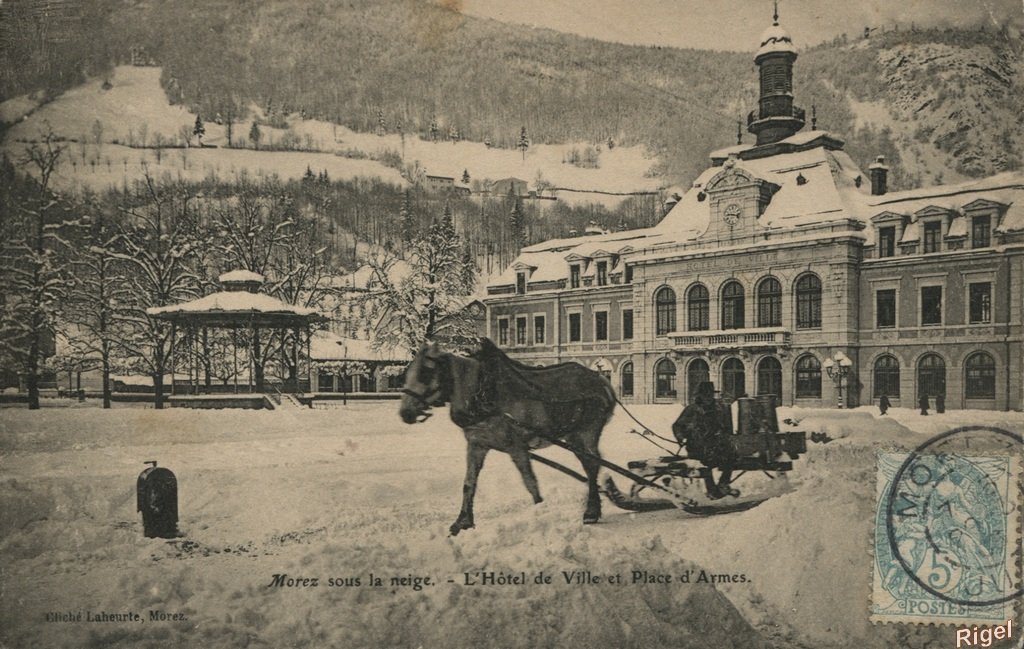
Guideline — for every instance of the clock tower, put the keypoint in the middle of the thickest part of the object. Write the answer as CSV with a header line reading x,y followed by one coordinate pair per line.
x,y
776,118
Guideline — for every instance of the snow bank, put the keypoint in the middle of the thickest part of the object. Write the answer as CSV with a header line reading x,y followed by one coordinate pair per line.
x,y
342,493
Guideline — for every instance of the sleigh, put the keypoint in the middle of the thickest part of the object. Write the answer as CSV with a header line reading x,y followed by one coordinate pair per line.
x,y
676,481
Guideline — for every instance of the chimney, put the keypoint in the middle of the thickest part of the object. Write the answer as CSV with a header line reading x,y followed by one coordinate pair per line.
x,y
879,176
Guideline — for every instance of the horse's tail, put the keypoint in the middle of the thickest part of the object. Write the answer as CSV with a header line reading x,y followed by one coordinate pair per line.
x,y
609,399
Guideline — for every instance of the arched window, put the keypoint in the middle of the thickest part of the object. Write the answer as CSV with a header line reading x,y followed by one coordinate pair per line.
x,y
769,378
981,376
626,378
665,379
769,303
734,379
665,311
808,377
808,302
697,372
732,305
698,305
887,377
931,376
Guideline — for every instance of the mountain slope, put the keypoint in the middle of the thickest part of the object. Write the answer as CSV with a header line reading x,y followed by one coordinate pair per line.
x,y
943,102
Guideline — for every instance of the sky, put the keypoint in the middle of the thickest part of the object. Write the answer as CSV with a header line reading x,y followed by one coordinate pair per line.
x,y
736,24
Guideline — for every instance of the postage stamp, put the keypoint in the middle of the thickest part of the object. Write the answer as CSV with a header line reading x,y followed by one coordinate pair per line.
x,y
946,532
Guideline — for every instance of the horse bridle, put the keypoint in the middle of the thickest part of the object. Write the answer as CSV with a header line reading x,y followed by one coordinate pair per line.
x,y
431,399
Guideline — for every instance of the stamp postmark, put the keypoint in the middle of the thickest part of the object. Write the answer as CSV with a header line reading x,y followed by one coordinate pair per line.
x,y
946,533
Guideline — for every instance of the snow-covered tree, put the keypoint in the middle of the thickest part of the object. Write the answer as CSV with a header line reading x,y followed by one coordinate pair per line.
x,y
516,219
34,271
421,298
255,134
158,246
524,142
98,295
407,218
199,130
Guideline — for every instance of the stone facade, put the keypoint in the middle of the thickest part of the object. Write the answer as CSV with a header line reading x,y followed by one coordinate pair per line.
x,y
785,270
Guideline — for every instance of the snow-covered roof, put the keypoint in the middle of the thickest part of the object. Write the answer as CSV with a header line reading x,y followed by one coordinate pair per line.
x,y
1005,189
233,303
830,183
549,257
821,192
240,276
775,39
326,346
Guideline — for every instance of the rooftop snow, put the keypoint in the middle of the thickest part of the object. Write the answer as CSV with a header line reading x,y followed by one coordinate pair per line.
x,y
326,346
240,276
234,302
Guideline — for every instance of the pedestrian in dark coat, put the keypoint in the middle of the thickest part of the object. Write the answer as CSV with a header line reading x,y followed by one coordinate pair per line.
x,y
883,404
940,403
923,403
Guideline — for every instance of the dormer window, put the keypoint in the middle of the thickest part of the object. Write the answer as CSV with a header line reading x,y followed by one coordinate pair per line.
x,y
521,282
887,241
981,231
932,236
574,276
602,273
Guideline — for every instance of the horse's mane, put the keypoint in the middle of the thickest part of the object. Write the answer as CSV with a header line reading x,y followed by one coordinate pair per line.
x,y
567,382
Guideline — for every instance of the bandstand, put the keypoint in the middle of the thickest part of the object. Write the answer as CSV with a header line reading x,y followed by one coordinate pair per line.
x,y
257,322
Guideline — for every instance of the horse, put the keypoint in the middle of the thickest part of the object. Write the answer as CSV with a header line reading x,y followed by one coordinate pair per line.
x,y
505,406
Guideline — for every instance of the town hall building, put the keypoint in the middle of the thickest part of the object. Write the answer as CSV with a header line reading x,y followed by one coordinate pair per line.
x,y
786,270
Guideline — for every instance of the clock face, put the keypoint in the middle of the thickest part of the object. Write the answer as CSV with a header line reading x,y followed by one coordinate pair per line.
x,y
732,214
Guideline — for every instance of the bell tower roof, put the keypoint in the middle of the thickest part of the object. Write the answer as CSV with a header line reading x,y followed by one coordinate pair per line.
x,y
776,117
775,38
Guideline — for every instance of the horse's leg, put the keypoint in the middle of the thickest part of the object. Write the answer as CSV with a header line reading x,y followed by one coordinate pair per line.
x,y
475,454
590,459
521,458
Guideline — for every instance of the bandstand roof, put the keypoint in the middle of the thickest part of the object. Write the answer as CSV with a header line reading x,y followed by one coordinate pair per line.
x,y
237,309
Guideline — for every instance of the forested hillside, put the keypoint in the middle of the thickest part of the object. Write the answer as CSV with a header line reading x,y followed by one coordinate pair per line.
x,y
943,104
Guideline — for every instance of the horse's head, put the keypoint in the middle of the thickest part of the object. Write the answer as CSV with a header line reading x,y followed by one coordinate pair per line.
x,y
424,385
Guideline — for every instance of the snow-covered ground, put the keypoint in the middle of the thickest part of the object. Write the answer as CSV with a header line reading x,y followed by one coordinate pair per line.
x,y
346,492
134,110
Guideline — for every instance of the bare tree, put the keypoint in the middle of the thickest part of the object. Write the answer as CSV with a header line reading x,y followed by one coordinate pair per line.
x,y
34,272
99,293
158,246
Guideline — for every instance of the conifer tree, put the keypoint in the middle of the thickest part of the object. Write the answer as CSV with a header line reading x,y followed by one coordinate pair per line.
x,y
199,130
255,134
524,142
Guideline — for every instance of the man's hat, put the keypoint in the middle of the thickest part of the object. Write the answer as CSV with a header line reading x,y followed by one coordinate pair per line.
x,y
706,389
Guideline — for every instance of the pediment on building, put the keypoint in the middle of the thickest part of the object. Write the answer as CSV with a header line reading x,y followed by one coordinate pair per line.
x,y
981,204
932,210
887,216
731,178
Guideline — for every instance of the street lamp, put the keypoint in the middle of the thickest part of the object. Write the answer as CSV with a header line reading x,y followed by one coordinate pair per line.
x,y
837,368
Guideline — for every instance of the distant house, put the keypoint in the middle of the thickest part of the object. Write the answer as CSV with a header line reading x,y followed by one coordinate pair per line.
x,y
501,187
439,184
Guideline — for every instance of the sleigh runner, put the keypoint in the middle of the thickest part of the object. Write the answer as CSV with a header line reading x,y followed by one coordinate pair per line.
x,y
663,482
